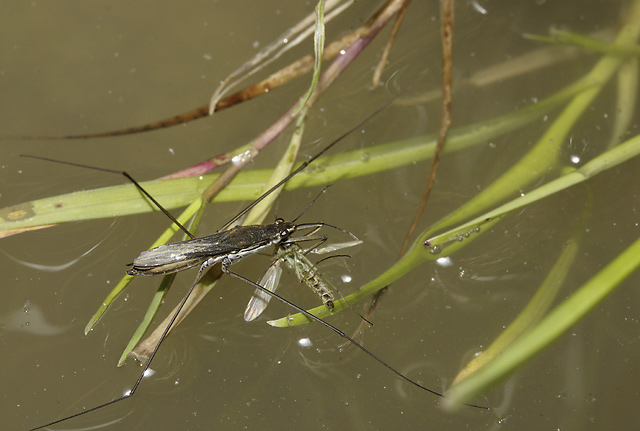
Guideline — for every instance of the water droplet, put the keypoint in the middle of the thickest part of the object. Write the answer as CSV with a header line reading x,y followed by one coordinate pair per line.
x,y
305,342
436,249
241,158
444,261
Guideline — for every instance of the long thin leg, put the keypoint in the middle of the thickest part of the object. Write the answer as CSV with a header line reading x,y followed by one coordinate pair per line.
x,y
342,334
127,176
280,298
147,364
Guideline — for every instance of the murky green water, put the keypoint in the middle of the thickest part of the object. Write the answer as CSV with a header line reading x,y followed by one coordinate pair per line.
x,y
73,67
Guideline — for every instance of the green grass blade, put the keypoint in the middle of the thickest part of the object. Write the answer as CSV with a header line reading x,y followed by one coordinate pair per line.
x,y
122,284
559,321
543,157
318,50
152,310
562,37
537,306
626,96
172,193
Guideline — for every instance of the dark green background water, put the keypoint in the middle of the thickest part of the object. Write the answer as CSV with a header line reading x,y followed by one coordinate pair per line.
x,y
71,67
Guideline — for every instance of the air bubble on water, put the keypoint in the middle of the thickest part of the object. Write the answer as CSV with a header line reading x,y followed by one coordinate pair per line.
x,y
305,342
444,261
436,249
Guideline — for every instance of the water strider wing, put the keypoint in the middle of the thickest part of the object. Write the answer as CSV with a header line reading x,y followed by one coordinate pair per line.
x,y
258,302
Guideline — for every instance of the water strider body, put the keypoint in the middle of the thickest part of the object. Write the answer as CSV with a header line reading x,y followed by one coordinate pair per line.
x,y
226,247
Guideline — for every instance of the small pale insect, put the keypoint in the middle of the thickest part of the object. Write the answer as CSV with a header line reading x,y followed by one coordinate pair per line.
x,y
296,260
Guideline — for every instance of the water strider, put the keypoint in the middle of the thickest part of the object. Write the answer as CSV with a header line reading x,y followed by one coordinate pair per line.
x,y
227,247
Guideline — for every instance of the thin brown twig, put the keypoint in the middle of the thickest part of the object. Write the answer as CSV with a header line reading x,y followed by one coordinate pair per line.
x,y
275,80
447,53
445,123
377,74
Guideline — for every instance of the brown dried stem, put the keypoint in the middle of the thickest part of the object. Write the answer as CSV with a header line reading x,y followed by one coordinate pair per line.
x,y
447,53
377,74
277,79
